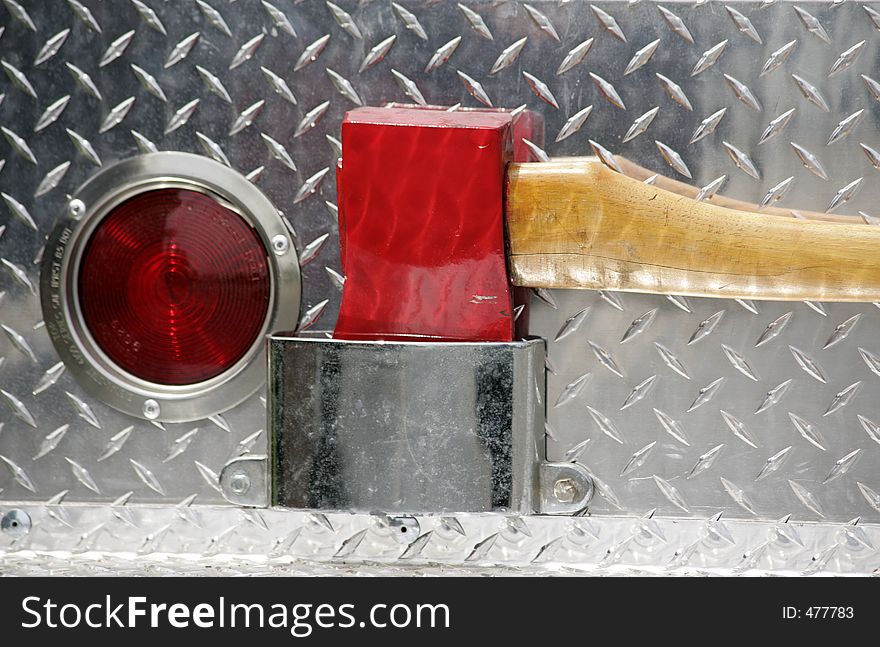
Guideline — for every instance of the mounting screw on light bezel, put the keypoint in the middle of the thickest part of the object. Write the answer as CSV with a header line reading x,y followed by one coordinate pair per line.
x,y
152,410
89,365
280,244
76,209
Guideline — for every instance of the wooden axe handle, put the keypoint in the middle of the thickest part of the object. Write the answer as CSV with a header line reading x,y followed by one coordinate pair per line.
x,y
633,170
575,223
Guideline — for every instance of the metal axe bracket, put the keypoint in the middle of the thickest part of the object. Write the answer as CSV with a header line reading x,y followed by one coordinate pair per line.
x,y
406,427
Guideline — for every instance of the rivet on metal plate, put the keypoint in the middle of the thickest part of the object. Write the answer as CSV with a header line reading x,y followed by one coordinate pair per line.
x,y
15,524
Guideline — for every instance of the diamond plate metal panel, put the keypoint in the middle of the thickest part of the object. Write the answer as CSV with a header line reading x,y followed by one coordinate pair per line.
x,y
90,540
771,103
692,406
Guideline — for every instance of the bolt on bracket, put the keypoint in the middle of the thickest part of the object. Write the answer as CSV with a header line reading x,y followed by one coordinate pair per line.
x,y
564,488
244,481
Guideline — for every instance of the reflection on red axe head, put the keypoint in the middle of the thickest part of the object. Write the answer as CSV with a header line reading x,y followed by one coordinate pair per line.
x,y
421,222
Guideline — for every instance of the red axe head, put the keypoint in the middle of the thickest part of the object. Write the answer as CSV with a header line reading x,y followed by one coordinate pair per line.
x,y
421,223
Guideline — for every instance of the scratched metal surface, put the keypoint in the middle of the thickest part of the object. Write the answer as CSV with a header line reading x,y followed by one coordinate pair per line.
x,y
775,103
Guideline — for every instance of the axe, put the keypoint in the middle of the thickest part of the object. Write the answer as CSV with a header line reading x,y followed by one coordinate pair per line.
x,y
439,222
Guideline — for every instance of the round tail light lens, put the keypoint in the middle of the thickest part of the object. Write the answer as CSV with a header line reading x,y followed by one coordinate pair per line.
x,y
174,287
161,278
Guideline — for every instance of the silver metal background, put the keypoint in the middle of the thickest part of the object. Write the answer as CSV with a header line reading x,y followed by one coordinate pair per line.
x,y
372,52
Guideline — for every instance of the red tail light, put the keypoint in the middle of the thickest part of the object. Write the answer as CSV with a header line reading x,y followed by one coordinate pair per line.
x,y
174,287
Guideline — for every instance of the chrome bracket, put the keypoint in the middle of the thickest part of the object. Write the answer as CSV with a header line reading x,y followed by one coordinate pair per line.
x,y
406,428
244,481
564,488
